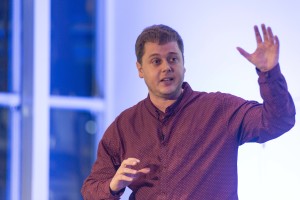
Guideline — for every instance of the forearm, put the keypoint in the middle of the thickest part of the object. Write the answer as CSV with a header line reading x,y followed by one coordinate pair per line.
x,y
278,105
277,113
269,120
96,185
94,190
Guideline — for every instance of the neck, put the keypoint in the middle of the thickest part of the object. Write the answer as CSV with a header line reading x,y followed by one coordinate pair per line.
x,y
163,103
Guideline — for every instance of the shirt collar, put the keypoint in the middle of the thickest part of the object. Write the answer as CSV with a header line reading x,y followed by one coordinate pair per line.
x,y
187,90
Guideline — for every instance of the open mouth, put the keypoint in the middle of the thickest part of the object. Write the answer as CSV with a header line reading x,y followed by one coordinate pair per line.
x,y
166,79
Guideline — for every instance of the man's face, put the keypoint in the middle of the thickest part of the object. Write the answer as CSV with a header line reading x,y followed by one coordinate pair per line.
x,y
162,69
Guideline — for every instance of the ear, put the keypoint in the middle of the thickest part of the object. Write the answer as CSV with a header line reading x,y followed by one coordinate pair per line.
x,y
140,69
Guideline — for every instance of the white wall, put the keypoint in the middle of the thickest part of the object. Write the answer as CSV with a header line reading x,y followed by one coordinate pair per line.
x,y
211,31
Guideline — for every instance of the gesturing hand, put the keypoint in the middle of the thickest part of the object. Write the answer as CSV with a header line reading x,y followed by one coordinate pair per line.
x,y
266,55
125,175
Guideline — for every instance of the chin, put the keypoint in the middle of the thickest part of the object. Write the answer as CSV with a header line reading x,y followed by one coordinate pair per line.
x,y
171,95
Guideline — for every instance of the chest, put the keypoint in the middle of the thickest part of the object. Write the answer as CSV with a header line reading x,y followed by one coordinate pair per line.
x,y
181,135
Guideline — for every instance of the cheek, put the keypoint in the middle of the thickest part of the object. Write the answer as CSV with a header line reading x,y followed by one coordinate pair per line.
x,y
149,77
183,71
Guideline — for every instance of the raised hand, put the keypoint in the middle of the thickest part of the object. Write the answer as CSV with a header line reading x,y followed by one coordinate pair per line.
x,y
266,55
125,175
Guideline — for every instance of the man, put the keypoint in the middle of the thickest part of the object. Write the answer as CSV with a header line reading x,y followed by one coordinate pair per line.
x,y
183,144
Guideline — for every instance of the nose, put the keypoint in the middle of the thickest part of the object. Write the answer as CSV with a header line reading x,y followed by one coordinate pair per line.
x,y
167,67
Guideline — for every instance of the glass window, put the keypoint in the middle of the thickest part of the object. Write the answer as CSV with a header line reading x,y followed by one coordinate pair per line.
x,y
72,147
73,48
4,153
74,73
5,20
4,42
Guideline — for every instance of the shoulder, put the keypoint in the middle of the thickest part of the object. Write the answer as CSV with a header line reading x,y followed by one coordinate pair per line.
x,y
124,123
123,120
216,99
201,96
132,111
130,116
208,97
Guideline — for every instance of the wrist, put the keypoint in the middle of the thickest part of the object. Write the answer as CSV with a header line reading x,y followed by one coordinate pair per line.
x,y
116,193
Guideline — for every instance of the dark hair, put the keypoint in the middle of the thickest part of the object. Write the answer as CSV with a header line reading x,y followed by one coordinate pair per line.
x,y
160,34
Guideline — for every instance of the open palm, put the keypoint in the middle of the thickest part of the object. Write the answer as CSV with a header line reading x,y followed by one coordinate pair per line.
x,y
266,55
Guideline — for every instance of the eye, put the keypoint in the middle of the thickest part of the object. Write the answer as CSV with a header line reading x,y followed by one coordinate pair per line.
x,y
173,59
156,61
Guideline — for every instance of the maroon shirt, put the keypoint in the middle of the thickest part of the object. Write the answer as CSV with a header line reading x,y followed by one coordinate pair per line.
x,y
192,148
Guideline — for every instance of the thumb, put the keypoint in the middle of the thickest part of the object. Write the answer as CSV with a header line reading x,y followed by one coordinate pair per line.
x,y
243,53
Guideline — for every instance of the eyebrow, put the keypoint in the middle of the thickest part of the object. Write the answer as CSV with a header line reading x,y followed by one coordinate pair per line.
x,y
156,54
172,53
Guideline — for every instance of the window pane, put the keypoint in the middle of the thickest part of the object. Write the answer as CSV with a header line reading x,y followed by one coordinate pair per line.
x,y
73,48
72,145
4,153
4,41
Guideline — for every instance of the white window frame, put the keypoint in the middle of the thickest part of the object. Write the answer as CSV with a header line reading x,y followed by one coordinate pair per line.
x,y
29,129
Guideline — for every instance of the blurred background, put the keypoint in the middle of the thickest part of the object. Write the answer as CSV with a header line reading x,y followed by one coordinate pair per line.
x,y
67,69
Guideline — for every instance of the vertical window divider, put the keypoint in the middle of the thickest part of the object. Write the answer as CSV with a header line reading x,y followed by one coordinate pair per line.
x,y
35,97
15,142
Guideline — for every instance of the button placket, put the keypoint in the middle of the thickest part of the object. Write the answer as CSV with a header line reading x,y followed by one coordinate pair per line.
x,y
164,164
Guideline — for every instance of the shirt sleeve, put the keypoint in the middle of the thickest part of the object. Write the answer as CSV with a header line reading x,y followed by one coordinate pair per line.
x,y
260,122
96,185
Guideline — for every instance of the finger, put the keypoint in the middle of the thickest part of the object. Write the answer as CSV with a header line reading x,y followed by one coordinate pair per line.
x,y
134,174
129,162
126,174
144,171
265,34
243,53
123,177
276,41
130,174
257,35
270,33
129,171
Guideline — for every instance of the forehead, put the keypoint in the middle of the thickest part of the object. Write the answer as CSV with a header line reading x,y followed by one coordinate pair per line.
x,y
151,48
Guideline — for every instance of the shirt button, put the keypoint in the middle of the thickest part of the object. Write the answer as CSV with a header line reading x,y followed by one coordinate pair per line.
x,y
267,75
